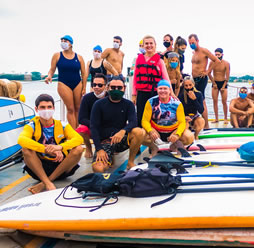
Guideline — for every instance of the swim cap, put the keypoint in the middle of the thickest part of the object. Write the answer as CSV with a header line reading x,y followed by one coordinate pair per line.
x,y
141,42
68,37
163,82
219,50
173,55
98,47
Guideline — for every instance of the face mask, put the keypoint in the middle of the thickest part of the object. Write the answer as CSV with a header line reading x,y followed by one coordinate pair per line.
x,y
173,65
220,58
46,113
101,95
193,46
181,51
116,94
116,45
243,95
142,50
96,55
166,44
65,45
191,89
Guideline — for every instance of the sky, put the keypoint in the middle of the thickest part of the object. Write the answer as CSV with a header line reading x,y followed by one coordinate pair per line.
x,y
31,29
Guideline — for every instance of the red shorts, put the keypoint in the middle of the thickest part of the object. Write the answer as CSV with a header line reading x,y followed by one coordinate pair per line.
x,y
83,129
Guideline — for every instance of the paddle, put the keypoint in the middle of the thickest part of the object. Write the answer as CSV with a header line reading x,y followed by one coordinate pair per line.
x,y
165,157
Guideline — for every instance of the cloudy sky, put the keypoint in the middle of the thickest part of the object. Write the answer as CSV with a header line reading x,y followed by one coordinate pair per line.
x,y
31,29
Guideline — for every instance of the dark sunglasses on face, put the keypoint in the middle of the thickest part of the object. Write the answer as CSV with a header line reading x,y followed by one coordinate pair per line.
x,y
243,91
99,85
113,87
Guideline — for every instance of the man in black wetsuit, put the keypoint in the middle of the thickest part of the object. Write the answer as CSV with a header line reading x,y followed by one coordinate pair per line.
x,y
192,101
114,127
99,91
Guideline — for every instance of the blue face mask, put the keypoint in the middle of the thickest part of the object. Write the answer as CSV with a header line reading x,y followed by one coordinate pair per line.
x,y
193,46
243,95
142,50
173,65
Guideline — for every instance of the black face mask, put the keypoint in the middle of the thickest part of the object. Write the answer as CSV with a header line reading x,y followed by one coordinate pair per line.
x,y
220,58
189,89
166,44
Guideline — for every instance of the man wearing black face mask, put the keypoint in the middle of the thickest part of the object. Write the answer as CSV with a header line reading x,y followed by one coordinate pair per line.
x,y
192,101
114,127
219,80
168,43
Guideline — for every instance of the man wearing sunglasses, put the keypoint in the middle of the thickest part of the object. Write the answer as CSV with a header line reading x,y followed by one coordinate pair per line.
x,y
87,102
114,127
241,109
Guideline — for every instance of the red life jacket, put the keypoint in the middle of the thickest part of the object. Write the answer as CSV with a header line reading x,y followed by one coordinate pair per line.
x,y
148,74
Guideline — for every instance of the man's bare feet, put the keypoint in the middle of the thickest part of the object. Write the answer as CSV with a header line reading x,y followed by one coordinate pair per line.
x,y
41,187
88,153
225,121
215,121
154,151
130,165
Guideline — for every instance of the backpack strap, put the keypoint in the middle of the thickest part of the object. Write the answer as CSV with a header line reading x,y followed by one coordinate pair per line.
x,y
165,200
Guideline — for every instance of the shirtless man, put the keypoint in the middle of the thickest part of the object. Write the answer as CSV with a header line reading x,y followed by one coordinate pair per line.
x,y
114,56
251,94
220,83
199,72
241,109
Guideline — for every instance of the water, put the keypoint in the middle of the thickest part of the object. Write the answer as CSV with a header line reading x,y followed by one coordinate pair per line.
x,y
31,89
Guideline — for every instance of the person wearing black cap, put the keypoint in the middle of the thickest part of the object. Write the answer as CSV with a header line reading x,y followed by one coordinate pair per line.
x,y
219,80
70,65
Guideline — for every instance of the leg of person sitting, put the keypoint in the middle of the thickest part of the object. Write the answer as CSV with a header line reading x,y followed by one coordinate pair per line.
x,y
148,142
224,96
199,124
187,137
215,93
34,163
65,166
136,137
234,120
250,119
88,152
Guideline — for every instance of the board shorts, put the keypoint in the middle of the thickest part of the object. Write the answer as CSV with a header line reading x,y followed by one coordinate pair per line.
x,y
220,84
111,149
49,167
83,129
200,84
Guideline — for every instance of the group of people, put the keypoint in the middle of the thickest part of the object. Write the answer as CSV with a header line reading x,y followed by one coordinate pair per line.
x,y
165,104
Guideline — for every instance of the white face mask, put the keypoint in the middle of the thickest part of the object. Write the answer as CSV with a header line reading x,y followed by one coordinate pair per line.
x,y
65,45
96,55
46,113
116,45
101,95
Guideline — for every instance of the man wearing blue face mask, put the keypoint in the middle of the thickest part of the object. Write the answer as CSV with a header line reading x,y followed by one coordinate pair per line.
x,y
199,68
241,110
114,127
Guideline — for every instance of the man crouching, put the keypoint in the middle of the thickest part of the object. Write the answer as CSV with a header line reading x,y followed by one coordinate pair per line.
x,y
113,127
51,149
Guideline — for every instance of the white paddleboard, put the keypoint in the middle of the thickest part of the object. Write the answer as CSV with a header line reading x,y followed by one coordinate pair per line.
x,y
13,116
185,211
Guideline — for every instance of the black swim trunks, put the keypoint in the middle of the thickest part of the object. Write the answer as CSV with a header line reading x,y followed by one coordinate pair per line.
x,y
49,166
200,84
164,136
111,149
220,84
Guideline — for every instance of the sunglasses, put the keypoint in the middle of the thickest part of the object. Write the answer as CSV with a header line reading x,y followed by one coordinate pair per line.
x,y
113,87
99,85
243,91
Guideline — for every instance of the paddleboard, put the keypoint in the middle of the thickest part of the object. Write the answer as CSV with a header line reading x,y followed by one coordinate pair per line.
x,y
49,212
223,134
13,116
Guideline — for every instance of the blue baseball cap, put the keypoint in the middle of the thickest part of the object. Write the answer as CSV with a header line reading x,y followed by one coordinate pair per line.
x,y
163,82
98,47
68,37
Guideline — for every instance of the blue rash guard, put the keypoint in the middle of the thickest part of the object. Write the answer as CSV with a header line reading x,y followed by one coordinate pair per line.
x,y
108,118
69,71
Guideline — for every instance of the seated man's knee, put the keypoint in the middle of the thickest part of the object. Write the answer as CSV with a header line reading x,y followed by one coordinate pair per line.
x,y
78,150
27,152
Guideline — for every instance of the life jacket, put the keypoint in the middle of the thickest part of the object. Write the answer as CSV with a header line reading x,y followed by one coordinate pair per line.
x,y
147,74
58,132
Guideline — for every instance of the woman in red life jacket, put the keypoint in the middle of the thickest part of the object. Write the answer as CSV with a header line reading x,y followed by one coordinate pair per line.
x,y
149,70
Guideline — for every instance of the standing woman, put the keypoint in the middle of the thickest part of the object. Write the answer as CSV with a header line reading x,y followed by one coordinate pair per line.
x,y
69,65
180,47
149,70
98,65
